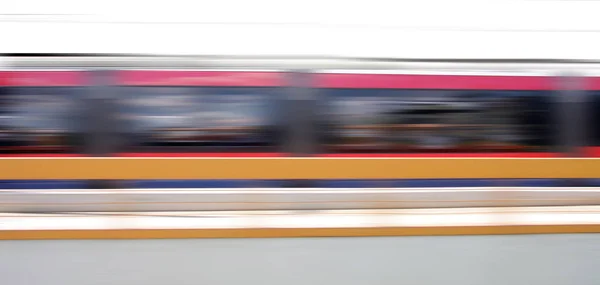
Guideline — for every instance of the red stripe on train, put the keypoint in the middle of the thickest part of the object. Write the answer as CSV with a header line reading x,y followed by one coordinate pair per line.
x,y
447,155
42,155
462,82
349,155
42,78
592,151
153,154
233,154
589,152
592,83
343,155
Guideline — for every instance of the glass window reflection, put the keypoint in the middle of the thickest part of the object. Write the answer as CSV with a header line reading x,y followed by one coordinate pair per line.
x,y
369,120
40,119
200,119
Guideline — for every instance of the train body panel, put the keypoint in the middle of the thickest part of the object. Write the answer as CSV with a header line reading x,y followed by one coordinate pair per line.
x,y
452,111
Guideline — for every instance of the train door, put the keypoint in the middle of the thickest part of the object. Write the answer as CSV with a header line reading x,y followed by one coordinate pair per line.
x,y
302,117
589,93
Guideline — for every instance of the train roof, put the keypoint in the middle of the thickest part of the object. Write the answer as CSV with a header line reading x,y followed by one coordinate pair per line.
x,y
532,67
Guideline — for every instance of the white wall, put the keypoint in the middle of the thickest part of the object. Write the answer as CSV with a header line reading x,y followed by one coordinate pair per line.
x,y
490,260
375,28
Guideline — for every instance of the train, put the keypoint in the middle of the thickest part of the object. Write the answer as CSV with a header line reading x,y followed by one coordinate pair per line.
x,y
148,107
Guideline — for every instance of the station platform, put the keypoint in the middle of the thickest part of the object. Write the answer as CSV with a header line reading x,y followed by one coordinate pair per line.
x,y
278,224
285,199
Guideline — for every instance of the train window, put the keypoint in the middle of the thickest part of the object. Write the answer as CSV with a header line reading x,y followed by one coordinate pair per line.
x,y
40,120
201,119
398,120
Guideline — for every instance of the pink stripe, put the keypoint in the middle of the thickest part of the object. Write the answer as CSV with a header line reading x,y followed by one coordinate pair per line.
x,y
42,78
349,155
200,78
593,83
42,155
593,151
442,155
233,154
589,151
403,81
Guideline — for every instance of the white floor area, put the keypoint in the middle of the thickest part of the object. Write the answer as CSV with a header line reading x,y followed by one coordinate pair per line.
x,y
308,219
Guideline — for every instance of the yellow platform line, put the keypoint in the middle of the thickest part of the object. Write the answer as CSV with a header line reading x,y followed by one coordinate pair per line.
x,y
102,234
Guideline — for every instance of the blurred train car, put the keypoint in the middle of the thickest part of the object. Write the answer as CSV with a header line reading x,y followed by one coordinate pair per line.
x,y
261,108
41,116
201,113
437,114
